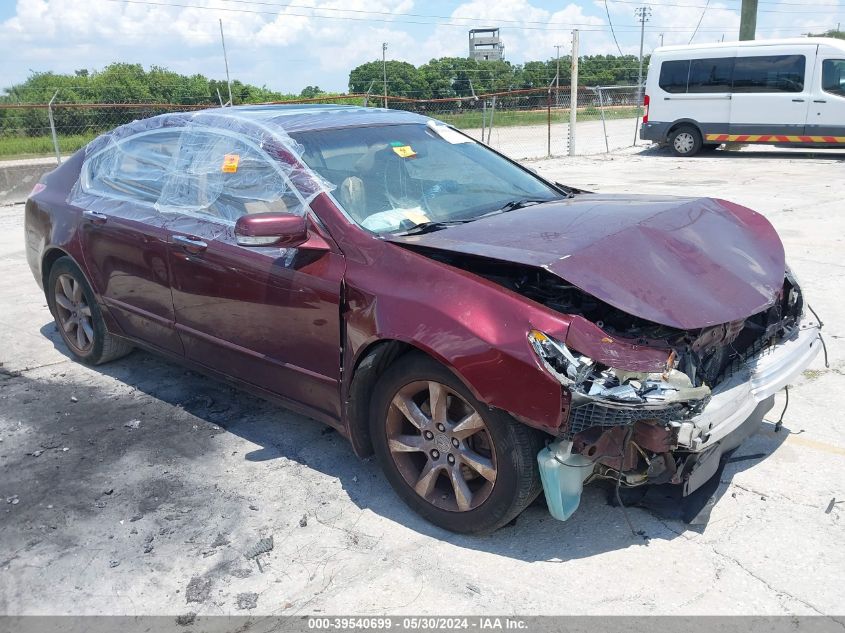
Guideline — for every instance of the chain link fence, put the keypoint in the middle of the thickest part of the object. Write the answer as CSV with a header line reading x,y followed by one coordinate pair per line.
x,y
522,124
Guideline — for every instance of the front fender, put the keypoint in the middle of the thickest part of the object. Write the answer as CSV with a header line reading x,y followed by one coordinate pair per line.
x,y
469,324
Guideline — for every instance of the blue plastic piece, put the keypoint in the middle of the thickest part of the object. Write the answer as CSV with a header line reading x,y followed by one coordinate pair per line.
x,y
563,475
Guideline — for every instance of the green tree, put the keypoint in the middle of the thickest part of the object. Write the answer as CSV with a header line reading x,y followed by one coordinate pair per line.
x,y
310,92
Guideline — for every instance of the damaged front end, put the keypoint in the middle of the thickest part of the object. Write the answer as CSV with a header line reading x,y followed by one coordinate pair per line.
x,y
671,426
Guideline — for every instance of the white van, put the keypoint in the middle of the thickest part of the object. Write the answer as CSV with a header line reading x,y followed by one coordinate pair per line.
x,y
786,92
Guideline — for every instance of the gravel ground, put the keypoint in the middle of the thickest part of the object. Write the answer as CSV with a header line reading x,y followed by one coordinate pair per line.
x,y
141,488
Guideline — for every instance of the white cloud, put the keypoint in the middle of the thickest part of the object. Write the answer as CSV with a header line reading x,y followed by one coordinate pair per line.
x,y
296,47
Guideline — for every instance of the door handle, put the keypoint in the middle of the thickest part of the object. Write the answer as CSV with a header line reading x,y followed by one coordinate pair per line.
x,y
798,100
819,101
190,244
95,218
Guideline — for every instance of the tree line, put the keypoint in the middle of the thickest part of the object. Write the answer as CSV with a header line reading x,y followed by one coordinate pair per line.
x,y
461,77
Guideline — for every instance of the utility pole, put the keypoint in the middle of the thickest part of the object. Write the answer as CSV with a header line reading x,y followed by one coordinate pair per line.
x,y
748,20
384,69
226,61
642,13
573,93
557,76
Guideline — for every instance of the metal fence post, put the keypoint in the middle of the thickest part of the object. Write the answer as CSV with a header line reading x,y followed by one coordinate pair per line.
x,y
483,117
549,124
53,128
603,124
573,93
492,112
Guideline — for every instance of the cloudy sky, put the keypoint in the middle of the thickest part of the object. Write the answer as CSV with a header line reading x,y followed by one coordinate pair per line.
x,y
288,44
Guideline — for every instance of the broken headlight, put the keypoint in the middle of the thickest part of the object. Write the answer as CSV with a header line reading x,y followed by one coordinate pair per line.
x,y
583,375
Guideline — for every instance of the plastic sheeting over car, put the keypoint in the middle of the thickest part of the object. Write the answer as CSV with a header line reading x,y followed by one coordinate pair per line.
x,y
197,172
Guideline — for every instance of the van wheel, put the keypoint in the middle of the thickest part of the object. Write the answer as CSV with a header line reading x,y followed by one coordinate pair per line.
x,y
461,465
685,140
78,316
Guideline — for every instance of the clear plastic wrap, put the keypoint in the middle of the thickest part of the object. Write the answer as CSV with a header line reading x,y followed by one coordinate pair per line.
x,y
197,173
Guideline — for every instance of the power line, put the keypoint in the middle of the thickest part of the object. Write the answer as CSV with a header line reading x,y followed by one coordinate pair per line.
x,y
518,26
699,22
612,32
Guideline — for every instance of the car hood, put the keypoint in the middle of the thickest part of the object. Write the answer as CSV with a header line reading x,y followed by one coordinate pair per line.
x,y
683,262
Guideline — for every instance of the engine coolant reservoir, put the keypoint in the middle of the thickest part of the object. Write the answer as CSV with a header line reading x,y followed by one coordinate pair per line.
x,y
563,475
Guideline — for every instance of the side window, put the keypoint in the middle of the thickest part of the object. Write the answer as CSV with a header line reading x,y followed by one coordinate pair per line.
x,y
772,73
833,76
134,168
223,177
674,75
711,75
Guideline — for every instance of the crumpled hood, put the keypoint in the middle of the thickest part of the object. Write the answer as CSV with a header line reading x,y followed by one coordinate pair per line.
x,y
683,262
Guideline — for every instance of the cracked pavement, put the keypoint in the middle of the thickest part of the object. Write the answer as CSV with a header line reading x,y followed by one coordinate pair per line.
x,y
140,488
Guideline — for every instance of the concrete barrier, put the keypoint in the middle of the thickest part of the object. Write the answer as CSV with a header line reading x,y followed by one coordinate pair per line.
x,y
17,177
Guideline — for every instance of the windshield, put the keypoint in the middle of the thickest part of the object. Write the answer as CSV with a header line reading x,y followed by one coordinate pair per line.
x,y
393,178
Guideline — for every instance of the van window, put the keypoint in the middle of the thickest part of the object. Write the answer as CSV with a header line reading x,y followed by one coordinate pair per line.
x,y
771,73
833,76
711,75
673,76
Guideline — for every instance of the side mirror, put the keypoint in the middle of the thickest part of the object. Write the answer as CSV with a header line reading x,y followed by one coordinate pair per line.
x,y
271,229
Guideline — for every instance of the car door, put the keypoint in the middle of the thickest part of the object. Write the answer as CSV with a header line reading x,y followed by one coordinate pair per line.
x,y
269,316
771,89
124,238
826,116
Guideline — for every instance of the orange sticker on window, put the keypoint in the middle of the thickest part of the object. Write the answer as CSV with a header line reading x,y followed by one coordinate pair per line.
x,y
230,163
404,151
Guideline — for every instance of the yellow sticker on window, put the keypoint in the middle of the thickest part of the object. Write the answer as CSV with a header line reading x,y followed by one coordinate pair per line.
x,y
230,163
404,151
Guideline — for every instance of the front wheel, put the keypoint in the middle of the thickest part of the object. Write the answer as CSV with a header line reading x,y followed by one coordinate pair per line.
x,y
461,465
685,141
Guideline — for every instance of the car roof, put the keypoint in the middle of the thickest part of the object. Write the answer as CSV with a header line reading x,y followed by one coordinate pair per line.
x,y
307,117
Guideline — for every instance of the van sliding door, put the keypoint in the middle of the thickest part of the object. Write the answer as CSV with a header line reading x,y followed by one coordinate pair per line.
x,y
771,90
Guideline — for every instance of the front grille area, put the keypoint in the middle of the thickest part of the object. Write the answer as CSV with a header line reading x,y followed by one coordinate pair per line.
x,y
595,414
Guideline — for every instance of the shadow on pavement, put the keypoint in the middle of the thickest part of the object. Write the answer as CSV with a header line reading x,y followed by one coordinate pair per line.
x,y
597,526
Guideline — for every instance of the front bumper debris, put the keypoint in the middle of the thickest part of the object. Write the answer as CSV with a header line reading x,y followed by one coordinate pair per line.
x,y
733,413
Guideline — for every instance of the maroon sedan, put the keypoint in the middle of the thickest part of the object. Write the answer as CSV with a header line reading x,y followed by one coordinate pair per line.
x,y
486,333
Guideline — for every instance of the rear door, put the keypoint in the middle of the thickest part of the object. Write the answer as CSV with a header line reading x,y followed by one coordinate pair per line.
x,y
269,316
826,116
771,89
124,240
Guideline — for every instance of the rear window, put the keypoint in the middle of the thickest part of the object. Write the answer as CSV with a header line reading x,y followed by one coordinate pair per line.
x,y
134,169
711,75
771,73
674,75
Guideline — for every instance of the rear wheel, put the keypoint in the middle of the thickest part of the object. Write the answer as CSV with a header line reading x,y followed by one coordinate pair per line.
x,y
685,140
459,464
78,316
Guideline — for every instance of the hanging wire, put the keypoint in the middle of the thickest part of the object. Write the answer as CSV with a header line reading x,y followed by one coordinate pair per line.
x,y
699,21
612,32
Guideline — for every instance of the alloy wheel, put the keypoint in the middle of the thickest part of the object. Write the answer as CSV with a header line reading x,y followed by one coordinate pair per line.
x,y
74,314
441,446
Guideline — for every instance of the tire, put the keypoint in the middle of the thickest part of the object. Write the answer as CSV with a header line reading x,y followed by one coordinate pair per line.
x,y
78,317
685,140
475,473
